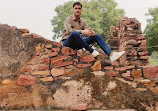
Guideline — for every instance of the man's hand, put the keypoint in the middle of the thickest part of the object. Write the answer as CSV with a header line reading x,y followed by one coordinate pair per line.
x,y
89,32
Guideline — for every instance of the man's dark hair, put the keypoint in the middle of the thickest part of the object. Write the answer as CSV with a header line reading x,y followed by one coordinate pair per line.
x,y
77,3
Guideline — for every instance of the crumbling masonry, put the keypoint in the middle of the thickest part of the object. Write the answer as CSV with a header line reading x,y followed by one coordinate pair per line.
x,y
39,73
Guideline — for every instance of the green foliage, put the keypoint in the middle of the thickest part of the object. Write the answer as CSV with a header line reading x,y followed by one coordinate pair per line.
x,y
151,31
98,14
153,59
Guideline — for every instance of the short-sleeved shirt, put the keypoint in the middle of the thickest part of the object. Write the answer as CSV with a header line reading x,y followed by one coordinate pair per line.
x,y
71,24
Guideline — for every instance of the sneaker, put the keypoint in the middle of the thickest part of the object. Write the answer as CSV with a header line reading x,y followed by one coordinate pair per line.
x,y
116,55
95,53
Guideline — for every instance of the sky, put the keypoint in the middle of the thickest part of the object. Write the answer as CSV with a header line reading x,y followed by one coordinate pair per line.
x,y
36,15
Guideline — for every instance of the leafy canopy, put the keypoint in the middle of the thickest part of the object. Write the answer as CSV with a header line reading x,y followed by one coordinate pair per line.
x,y
98,14
151,30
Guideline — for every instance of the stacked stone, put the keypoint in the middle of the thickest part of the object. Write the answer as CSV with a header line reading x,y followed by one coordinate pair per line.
x,y
133,42
53,60
128,36
113,41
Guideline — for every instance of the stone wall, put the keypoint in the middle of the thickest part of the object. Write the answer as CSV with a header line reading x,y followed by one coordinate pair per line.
x,y
128,36
46,74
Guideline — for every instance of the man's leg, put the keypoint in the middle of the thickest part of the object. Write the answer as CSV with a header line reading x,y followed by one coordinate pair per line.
x,y
97,38
75,41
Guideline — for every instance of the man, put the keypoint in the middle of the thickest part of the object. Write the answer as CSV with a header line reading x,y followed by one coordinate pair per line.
x,y
74,27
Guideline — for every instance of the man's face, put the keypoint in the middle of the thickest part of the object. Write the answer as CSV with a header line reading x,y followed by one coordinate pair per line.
x,y
77,10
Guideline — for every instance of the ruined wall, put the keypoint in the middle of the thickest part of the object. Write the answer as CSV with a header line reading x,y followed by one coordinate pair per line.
x,y
17,47
128,36
50,75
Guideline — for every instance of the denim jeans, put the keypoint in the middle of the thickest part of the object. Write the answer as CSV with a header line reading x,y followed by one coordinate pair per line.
x,y
75,41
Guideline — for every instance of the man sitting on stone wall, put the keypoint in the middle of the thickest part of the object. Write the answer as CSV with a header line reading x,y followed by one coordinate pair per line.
x,y
74,26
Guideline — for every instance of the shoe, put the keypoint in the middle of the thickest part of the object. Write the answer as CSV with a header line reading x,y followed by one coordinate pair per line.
x,y
95,53
116,55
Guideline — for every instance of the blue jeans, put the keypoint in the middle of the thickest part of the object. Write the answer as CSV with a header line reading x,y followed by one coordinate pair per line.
x,y
75,41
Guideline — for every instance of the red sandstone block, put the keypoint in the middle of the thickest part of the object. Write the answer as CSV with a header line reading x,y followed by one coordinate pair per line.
x,y
40,67
130,67
57,44
53,54
87,58
79,107
121,69
142,45
143,41
154,90
96,66
26,80
144,57
126,22
113,73
136,73
127,74
45,61
132,25
62,64
36,36
83,65
70,73
58,59
57,72
143,53
108,68
115,63
72,52
80,53
135,53
150,72
24,30
140,37
135,63
75,60
56,49
70,67
26,34
48,46
67,51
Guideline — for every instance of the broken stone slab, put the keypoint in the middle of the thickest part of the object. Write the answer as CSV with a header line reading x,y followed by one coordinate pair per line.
x,y
141,89
47,79
98,73
79,107
7,82
136,73
132,42
96,66
26,80
57,72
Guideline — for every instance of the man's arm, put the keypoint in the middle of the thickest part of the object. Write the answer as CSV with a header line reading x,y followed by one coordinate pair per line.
x,y
68,25
87,31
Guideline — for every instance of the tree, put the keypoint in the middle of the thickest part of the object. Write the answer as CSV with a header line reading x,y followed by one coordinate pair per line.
x,y
98,14
151,30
